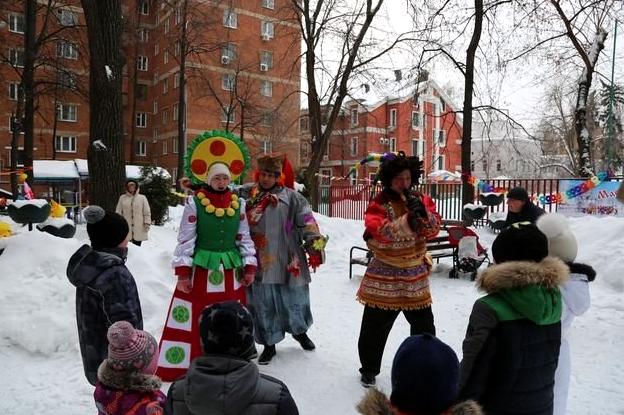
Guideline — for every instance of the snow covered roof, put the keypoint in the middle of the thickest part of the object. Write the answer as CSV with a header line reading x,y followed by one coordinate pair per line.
x,y
54,170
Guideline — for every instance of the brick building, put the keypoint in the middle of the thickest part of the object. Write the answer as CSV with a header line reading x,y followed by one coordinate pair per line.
x,y
242,75
429,127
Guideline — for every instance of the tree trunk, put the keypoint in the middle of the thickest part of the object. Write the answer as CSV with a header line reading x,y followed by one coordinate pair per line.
x,y
583,134
28,82
106,162
182,96
467,187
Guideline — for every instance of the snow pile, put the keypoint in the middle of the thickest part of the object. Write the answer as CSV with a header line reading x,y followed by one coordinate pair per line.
x,y
39,341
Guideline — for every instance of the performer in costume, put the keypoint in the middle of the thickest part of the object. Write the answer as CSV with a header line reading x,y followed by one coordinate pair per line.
x,y
283,229
215,256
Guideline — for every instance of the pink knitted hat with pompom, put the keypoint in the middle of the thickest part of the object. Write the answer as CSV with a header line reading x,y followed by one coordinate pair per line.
x,y
130,350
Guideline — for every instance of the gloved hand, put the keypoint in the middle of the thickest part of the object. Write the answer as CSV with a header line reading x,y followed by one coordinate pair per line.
x,y
249,274
185,283
416,206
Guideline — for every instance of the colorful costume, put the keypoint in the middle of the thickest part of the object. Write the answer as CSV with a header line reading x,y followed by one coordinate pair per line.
x,y
213,247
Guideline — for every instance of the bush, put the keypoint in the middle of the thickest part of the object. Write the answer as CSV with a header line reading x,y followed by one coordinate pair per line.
x,y
157,188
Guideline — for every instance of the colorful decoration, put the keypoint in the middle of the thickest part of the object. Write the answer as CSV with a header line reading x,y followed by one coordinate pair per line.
x,y
57,210
372,159
320,243
219,212
5,230
216,147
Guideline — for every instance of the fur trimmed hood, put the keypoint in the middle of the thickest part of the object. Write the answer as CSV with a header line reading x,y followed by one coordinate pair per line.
x,y
376,402
133,381
551,272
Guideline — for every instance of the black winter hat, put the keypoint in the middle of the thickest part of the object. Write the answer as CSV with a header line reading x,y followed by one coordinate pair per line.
x,y
521,241
425,376
227,328
518,193
105,229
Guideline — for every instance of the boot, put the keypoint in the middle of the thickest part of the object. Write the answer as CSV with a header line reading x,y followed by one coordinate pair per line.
x,y
304,341
367,380
267,354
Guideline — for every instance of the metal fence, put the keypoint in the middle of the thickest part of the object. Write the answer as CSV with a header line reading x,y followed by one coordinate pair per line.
x,y
350,201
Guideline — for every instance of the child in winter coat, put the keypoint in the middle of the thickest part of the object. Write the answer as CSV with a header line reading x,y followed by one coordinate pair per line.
x,y
511,348
105,289
425,376
575,293
126,381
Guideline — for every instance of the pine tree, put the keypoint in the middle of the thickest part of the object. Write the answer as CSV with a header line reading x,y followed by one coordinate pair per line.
x,y
157,188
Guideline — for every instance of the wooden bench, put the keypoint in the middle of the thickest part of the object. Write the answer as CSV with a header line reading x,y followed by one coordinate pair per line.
x,y
438,247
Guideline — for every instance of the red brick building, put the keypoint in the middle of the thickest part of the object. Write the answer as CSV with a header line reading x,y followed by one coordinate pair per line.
x,y
243,73
422,122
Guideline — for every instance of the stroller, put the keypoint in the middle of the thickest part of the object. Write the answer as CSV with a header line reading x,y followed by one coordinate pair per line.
x,y
468,253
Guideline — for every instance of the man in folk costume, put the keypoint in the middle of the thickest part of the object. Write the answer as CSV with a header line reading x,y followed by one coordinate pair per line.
x,y
398,223
215,256
283,228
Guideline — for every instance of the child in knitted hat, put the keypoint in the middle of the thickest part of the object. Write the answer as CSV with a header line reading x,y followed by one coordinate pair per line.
x,y
425,381
126,380
575,293
105,289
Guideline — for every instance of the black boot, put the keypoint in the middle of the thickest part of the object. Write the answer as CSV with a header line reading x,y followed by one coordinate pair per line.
x,y
367,380
304,341
267,354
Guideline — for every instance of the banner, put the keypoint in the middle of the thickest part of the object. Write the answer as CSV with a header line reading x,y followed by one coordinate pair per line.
x,y
599,201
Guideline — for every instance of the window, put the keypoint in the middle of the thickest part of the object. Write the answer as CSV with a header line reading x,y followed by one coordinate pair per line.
x,y
499,165
164,147
418,148
228,53
176,49
13,91
266,59
166,26
441,162
141,119
393,114
472,165
165,117
178,16
156,48
393,144
304,123
175,146
325,177
16,57
230,18
353,178
326,153
354,146
65,144
227,115
155,107
166,56
371,176
165,85
68,18
154,135
267,147
143,35
141,92
266,88
442,105
16,23
441,138
354,117
141,148
66,79
267,30
267,119
484,164
415,119
228,82
142,63
268,4
68,112
67,50
174,173
176,80
144,8
174,112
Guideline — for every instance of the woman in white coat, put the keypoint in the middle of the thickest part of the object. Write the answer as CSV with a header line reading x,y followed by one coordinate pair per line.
x,y
135,208
575,294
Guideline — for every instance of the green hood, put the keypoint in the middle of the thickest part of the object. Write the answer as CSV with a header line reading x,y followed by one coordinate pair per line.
x,y
539,304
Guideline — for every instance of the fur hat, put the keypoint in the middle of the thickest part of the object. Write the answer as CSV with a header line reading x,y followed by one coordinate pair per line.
x,y
105,229
215,169
518,193
227,328
130,350
393,164
271,163
425,376
521,241
561,240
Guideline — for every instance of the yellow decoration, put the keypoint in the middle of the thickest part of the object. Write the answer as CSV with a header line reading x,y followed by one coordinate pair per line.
x,y
230,212
57,210
231,153
22,177
234,204
219,212
319,244
5,230
200,195
205,201
210,208
234,198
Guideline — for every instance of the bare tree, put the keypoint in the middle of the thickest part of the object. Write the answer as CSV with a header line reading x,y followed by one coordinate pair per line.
x,y
105,154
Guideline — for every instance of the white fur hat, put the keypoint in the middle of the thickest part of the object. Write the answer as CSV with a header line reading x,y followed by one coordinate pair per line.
x,y
217,168
561,240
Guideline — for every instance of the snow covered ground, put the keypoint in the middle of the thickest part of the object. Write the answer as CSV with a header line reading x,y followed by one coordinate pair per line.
x,y
42,369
